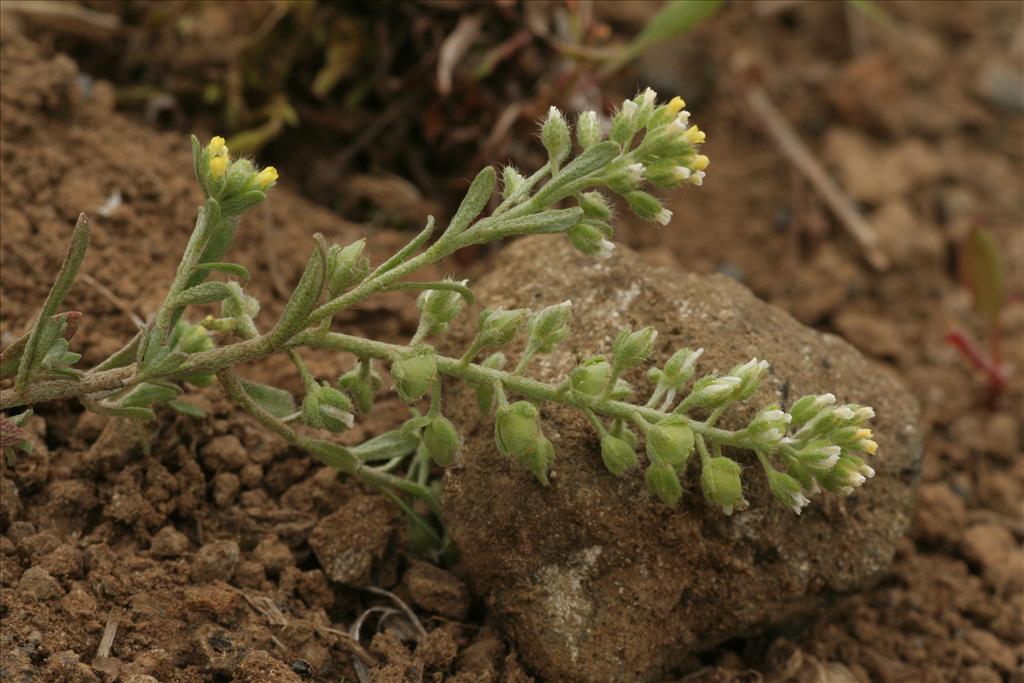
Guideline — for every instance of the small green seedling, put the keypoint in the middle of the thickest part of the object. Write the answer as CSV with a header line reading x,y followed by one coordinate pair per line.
x,y
983,272
817,444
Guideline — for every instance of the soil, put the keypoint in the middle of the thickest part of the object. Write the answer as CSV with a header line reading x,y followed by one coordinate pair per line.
x,y
198,561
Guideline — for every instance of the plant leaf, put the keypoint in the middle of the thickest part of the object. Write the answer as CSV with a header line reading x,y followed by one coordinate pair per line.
x,y
984,273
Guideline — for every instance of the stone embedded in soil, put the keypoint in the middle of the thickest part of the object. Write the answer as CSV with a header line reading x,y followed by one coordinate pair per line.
x,y
437,590
273,555
215,561
352,540
592,579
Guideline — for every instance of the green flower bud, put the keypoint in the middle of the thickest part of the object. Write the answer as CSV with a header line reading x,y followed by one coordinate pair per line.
x,y
438,307
189,338
720,481
591,376
663,482
624,124
588,129
621,391
498,326
648,207
549,327
787,490
517,429
768,427
712,392
670,441
414,373
238,304
750,373
327,408
346,266
680,367
808,408
554,135
590,239
632,348
848,474
441,440
511,181
618,456
595,205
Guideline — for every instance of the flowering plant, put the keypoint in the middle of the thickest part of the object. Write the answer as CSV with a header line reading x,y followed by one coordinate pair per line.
x,y
817,444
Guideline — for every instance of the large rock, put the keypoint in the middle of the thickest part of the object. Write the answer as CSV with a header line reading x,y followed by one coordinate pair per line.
x,y
597,582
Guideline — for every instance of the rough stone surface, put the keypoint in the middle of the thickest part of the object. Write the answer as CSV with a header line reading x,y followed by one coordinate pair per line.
x,y
352,540
592,579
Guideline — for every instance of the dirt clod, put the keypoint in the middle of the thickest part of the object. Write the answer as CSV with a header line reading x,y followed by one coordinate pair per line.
x,y
215,561
437,590
349,542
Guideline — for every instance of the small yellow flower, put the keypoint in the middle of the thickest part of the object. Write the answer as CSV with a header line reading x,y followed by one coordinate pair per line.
x,y
700,162
266,177
694,135
217,146
862,434
675,105
218,166
868,446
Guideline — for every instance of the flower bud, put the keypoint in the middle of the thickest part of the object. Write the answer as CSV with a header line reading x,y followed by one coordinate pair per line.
x,y
648,207
217,146
590,239
670,441
517,429
663,482
632,348
849,473
588,129
617,455
595,205
511,181
266,178
720,481
808,407
819,457
346,266
498,326
591,376
712,392
441,440
750,373
768,427
218,166
414,373
438,307
680,367
787,490
624,124
324,407
554,135
549,327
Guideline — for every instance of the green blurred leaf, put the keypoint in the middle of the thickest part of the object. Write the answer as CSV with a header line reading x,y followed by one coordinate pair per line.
x,y
675,18
984,273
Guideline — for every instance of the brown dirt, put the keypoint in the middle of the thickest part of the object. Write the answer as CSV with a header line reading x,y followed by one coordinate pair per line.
x,y
94,533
